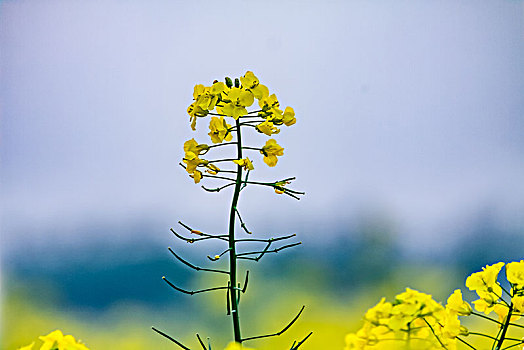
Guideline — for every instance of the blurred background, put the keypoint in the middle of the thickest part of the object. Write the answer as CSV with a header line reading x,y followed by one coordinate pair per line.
x,y
409,144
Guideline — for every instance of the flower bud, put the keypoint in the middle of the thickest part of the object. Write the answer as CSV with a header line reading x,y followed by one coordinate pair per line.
x,y
463,331
237,83
229,82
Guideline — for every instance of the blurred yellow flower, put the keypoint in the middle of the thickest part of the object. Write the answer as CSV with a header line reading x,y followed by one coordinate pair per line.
x,y
457,304
270,151
56,340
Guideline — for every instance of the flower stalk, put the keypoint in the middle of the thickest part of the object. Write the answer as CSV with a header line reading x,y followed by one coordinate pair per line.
x,y
223,101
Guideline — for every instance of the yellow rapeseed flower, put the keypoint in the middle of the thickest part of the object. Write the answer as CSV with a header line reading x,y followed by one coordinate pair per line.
x,y
193,146
245,163
250,82
269,102
197,176
219,130
195,111
192,161
515,274
457,304
485,282
518,303
56,340
270,151
236,100
267,128
289,116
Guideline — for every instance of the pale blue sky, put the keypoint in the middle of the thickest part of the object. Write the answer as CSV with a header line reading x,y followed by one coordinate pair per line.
x,y
413,110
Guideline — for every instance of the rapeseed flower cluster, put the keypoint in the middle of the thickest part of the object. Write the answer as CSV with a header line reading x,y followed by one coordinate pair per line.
x,y
224,100
56,340
413,317
416,321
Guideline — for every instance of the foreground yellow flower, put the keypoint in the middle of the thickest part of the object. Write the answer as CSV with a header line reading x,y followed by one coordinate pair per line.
x,y
197,176
245,163
250,82
219,130
270,151
485,282
268,103
457,304
518,303
195,111
236,100
194,147
289,116
192,161
515,274
56,340
267,128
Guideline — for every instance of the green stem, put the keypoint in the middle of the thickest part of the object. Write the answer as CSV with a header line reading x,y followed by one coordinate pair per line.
x,y
232,249
504,329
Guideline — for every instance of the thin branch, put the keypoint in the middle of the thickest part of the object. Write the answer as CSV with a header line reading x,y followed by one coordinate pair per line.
x,y
242,224
485,317
222,144
516,325
245,282
244,184
277,333
196,232
193,240
201,342
192,292
222,160
197,268
218,256
265,240
466,343
173,340
435,334
263,252
218,177
228,302
512,346
218,189
295,347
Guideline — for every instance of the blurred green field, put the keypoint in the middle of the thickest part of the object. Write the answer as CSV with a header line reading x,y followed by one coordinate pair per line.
x,y
271,302
111,300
